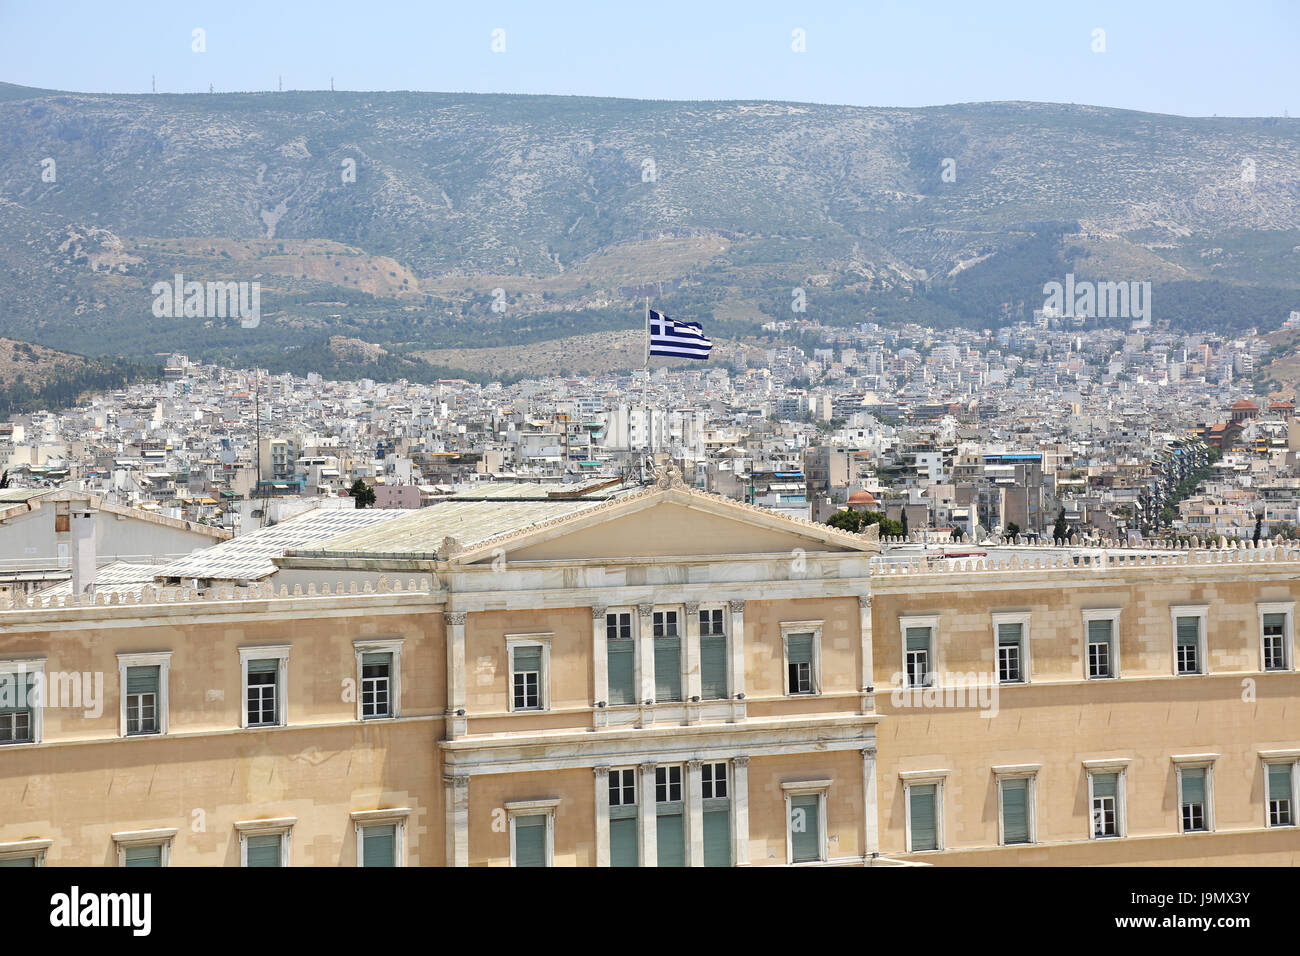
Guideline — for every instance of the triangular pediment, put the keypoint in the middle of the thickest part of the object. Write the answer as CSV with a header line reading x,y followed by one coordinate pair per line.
x,y
670,523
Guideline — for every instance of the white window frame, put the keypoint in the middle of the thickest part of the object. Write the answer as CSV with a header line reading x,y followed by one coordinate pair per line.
x,y
30,665
726,638
276,826
923,778
682,680
1288,634
1196,762
1120,769
713,783
930,621
163,661
390,646
1271,758
380,818
634,621
162,837
802,627
1029,774
1011,617
22,849
1202,612
805,788
278,652
542,640
1112,615
533,808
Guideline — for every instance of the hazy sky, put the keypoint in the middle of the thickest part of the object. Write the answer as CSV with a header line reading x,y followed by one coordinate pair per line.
x,y
1186,57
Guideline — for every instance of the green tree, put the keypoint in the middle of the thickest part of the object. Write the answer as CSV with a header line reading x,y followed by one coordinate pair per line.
x,y
1061,530
1013,529
363,493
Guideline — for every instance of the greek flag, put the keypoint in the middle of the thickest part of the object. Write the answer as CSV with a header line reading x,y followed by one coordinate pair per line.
x,y
683,339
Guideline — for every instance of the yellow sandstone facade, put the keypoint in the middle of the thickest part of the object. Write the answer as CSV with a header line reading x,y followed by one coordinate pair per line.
x,y
663,678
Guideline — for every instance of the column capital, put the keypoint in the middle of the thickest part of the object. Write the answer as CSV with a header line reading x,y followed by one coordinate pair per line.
x,y
864,601
600,772
454,618
598,611
740,761
692,607
737,607
868,751
648,767
645,610
456,779
694,765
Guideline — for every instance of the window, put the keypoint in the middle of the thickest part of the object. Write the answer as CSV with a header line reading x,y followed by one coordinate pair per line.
x,y
1195,799
143,679
1105,804
1275,635
265,676
621,658
379,687
144,847
802,643
623,849
670,817
923,804
24,853
713,654
919,656
668,657
1011,632
381,836
1280,784
532,832
805,803
1102,629
265,842
1016,785
1189,639
529,662
717,814
20,713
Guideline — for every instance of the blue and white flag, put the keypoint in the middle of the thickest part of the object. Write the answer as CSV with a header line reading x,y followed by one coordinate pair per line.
x,y
682,339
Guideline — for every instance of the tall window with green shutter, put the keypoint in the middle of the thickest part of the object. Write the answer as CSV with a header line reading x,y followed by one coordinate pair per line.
x,y
668,657
713,655
530,840
263,698
1015,810
376,685
1193,799
923,822
670,817
264,850
526,675
1101,649
1280,813
620,654
801,676
1275,656
1188,645
716,795
19,861
1011,653
918,656
623,849
805,827
1105,804
17,708
150,855
142,700
379,845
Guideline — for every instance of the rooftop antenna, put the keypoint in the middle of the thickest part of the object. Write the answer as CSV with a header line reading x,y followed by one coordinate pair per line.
x,y
281,77
154,82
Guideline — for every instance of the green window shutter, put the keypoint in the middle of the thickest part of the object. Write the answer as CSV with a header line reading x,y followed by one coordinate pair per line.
x,y
270,666
19,861
528,659
264,850
713,667
530,841
1189,631
622,672
148,856
1099,632
1015,811
379,845
376,660
670,839
1009,634
622,842
14,697
1279,781
717,838
918,638
1193,786
805,828
925,833
1105,784
668,668
799,648
1277,621
142,680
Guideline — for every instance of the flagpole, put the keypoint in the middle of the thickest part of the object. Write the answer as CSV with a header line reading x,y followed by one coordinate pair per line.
x,y
645,381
